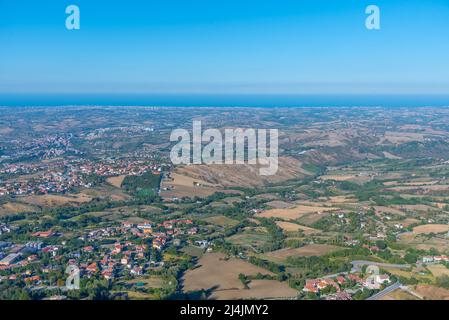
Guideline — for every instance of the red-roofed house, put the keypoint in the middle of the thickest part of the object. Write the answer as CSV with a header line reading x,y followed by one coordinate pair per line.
x,y
92,267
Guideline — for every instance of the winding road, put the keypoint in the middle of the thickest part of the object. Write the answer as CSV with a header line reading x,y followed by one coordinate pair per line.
x,y
357,264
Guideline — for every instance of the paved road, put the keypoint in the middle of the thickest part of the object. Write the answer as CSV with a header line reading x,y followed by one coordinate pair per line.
x,y
359,263
37,288
334,275
385,291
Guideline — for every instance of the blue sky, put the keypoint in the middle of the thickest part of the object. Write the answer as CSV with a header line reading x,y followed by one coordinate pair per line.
x,y
224,46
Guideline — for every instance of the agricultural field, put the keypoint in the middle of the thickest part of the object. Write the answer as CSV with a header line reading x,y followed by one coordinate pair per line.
x,y
306,251
430,292
431,228
296,212
50,200
222,221
252,238
438,270
399,294
11,208
354,187
258,289
204,276
116,181
293,227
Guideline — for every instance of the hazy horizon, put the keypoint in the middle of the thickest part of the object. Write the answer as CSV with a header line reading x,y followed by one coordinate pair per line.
x,y
225,100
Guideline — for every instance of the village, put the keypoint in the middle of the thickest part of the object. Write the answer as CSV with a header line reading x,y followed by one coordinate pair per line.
x,y
64,176
33,261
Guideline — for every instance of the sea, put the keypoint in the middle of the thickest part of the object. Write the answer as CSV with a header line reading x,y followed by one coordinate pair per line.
x,y
224,100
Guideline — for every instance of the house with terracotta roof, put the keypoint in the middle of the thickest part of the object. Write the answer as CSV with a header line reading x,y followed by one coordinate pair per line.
x,y
88,249
93,267
354,277
32,279
341,280
316,285
43,234
108,273
158,243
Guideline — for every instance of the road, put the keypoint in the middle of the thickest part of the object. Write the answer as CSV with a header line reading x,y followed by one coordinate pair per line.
x,y
385,291
37,288
334,275
357,264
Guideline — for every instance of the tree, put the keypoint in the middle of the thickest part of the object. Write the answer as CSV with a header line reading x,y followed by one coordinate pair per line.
x,y
443,281
411,257
24,295
381,244
312,296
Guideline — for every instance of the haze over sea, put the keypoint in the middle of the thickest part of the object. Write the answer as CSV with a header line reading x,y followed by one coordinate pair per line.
x,y
223,100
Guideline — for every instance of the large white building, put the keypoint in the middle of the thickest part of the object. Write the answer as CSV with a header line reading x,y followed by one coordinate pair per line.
x,y
10,259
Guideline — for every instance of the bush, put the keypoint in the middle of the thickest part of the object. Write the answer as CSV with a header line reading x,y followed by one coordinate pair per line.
x,y
443,281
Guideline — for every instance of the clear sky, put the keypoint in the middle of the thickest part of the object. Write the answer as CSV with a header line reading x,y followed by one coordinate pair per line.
x,y
224,46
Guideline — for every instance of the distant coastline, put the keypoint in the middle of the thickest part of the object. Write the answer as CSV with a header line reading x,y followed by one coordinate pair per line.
x,y
225,100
